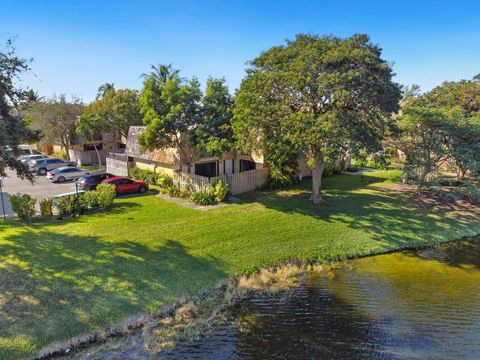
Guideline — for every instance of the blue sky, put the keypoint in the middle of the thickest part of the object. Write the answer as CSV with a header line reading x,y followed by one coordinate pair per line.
x,y
78,45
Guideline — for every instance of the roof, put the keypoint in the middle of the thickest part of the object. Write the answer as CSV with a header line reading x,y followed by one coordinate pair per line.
x,y
167,156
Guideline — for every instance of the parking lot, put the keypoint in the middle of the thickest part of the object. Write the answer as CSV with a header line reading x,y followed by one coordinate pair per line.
x,y
40,189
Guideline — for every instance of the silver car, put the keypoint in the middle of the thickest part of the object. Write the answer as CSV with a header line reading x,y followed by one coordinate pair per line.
x,y
41,166
66,173
28,158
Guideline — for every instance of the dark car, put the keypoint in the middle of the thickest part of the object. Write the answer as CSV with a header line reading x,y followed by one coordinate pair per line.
x,y
125,185
90,182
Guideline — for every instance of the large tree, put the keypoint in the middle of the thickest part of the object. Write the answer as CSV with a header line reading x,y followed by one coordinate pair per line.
x,y
115,110
464,93
214,134
12,129
56,119
427,138
323,95
171,110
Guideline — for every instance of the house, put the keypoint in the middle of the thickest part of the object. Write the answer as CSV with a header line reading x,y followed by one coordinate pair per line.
x,y
242,172
82,150
170,161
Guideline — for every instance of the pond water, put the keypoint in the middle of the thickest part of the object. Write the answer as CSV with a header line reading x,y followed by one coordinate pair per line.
x,y
413,304
421,304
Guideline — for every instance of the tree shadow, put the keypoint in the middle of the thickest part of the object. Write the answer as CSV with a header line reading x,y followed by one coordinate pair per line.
x,y
54,286
390,217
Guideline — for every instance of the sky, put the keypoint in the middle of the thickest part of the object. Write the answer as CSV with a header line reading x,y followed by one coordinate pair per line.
x,y
79,45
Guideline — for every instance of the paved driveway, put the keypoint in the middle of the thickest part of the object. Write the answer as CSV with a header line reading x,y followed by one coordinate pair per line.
x,y
42,188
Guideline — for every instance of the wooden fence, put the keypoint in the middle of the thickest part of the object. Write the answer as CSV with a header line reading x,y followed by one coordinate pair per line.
x,y
238,183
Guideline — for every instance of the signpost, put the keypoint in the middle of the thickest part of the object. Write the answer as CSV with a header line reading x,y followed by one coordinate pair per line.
x,y
3,204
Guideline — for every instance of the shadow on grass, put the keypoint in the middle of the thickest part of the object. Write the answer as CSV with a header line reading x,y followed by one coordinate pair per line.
x,y
54,286
388,216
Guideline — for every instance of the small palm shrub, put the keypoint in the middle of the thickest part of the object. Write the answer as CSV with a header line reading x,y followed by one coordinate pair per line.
x,y
46,207
221,190
23,205
164,181
204,197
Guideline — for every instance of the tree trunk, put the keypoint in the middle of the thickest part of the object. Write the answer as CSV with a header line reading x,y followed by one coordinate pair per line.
x,y
98,154
317,172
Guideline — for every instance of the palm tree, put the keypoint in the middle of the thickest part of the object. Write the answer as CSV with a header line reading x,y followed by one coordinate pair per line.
x,y
162,73
33,96
104,88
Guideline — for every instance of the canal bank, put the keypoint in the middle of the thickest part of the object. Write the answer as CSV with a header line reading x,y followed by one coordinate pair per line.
x,y
408,304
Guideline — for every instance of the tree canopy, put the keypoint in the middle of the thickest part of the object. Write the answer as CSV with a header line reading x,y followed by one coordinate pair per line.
x,y
464,93
12,129
323,96
55,119
115,110
214,133
171,110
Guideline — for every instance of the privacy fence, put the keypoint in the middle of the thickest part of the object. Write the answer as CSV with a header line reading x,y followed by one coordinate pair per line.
x,y
238,183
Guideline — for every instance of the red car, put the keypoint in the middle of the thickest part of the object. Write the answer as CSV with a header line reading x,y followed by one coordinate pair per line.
x,y
125,185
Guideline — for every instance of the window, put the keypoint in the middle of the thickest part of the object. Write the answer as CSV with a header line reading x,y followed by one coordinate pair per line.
x,y
209,169
90,147
246,165
24,151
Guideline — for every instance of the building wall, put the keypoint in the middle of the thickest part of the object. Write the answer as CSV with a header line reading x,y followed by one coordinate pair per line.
x,y
159,168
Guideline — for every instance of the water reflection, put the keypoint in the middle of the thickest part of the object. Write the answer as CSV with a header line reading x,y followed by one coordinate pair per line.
x,y
415,304
411,305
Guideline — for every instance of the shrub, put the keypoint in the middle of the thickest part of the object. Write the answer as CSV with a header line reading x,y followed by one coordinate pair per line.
x,y
67,205
105,194
279,178
221,191
60,154
91,198
23,205
204,197
150,177
46,207
185,193
164,181
471,193
173,190
352,168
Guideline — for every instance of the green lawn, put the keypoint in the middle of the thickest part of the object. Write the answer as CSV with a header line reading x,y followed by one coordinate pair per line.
x,y
64,278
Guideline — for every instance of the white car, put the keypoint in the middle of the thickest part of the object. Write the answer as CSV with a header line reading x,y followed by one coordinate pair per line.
x,y
67,173
28,150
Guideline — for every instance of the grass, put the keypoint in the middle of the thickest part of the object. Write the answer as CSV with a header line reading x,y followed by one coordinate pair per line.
x,y
60,279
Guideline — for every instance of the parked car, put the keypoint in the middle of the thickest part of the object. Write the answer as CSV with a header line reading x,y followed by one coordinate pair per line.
x,y
27,158
91,181
28,150
67,173
41,166
125,185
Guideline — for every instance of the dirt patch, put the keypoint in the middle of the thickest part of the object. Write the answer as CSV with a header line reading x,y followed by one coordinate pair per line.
x,y
430,201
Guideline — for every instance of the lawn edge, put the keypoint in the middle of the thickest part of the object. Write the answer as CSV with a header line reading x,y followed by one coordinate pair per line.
x,y
137,322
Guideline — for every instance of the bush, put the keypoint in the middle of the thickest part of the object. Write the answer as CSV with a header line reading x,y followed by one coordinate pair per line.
x,y
204,197
105,194
185,193
46,207
23,205
471,193
164,181
352,168
91,198
173,190
221,191
60,154
280,178
150,177
68,204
